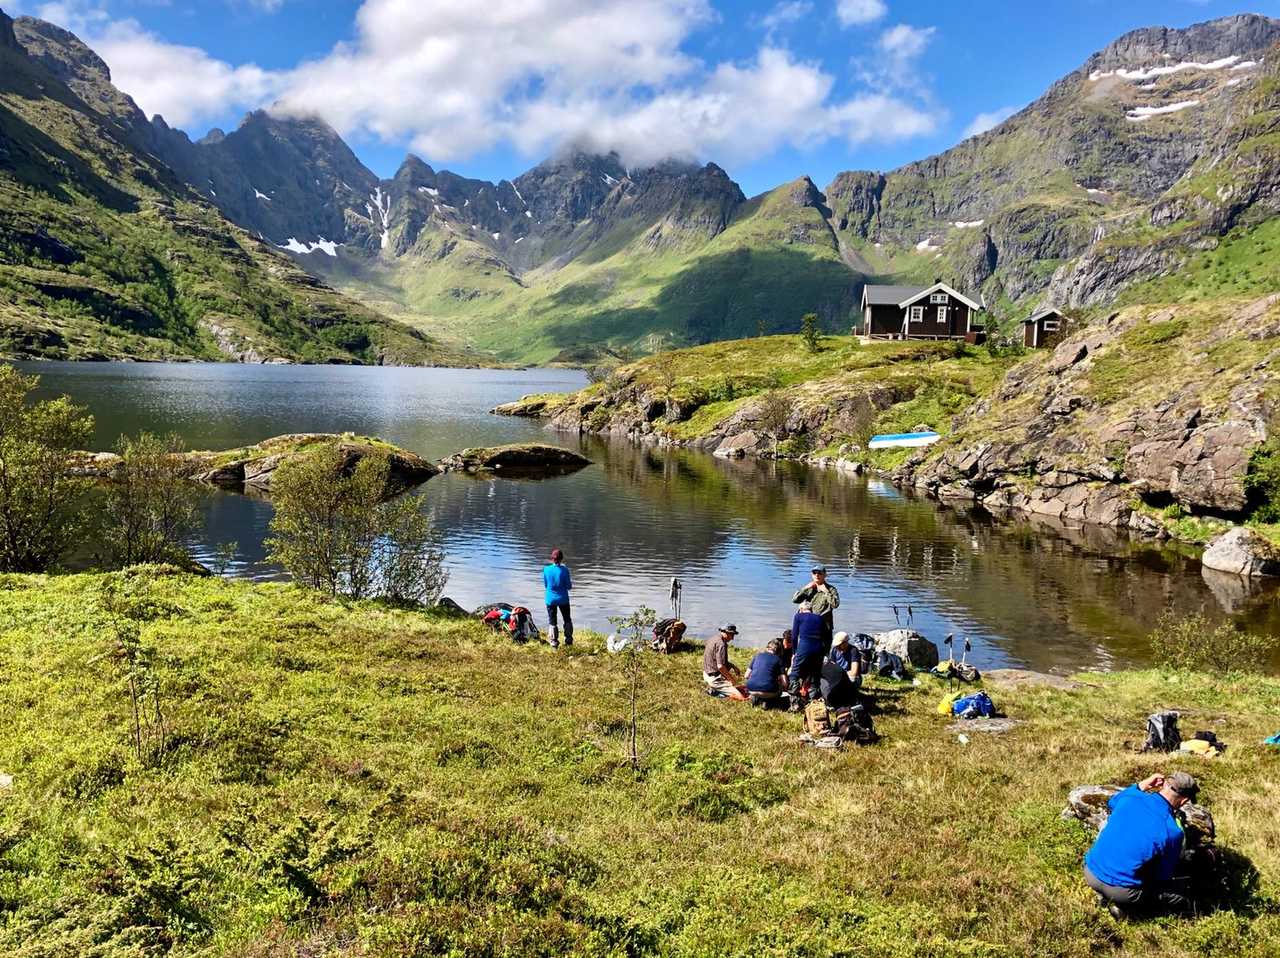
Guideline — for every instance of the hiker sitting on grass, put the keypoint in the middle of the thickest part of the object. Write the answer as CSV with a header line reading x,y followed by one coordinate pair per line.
x,y
788,650
721,675
810,633
1131,865
766,676
835,687
847,657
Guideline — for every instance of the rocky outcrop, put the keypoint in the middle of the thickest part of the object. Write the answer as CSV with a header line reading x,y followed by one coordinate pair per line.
x,y
912,647
1242,552
519,460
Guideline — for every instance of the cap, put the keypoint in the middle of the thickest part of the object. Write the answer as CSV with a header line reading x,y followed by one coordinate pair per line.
x,y
730,628
1182,783
841,638
818,568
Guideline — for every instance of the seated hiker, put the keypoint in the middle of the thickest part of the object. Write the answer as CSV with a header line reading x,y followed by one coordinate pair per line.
x,y
1131,864
721,675
835,686
788,650
847,657
766,676
810,631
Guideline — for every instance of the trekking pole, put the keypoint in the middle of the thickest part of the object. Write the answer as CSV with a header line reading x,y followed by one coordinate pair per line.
x,y
964,659
676,589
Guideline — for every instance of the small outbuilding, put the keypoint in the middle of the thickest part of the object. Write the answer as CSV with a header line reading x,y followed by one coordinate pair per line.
x,y
1043,328
920,312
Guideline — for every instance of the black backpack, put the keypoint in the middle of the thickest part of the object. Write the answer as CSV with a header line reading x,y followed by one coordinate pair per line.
x,y
853,724
1162,733
888,665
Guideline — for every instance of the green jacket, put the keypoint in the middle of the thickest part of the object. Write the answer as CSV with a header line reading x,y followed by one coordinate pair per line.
x,y
823,603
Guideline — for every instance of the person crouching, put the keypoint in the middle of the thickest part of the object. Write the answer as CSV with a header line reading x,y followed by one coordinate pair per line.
x,y
721,675
766,676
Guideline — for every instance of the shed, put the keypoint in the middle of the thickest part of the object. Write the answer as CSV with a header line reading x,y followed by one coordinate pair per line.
x,y
1043,328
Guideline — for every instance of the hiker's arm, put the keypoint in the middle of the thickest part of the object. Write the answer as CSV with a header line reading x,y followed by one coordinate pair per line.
x,y
568,579
805,592
834,596
1151,783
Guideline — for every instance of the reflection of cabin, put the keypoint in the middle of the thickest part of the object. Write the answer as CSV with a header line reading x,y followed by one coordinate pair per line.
x,y
1043,328
920,312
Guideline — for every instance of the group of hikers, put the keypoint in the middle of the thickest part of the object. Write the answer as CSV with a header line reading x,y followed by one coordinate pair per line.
x,y
1134,866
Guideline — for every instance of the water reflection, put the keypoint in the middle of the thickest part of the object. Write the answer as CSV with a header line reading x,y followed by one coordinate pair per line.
x,y
742,535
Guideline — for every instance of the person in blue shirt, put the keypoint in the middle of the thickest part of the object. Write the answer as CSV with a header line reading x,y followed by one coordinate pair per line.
x,y
766,675
557,582
810,632
1131,864
847,657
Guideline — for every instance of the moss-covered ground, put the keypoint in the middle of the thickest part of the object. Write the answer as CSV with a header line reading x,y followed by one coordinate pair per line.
x,y
352,780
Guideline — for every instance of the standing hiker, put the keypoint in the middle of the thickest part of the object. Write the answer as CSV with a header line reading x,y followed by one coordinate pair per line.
x,y
823,600
557,581
809,630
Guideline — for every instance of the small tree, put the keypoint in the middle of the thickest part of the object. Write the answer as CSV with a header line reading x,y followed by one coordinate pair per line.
x,y
772,412
762,330
151,505
632,629
334,530
810,332
42,511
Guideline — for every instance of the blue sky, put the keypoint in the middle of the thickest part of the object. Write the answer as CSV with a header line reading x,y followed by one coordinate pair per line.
x,y
769,90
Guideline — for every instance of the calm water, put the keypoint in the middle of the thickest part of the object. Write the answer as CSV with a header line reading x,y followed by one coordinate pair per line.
x,y
741,535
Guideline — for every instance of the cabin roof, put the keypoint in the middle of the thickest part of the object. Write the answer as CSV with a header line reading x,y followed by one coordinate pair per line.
x,y
926,290
888,295
1042,314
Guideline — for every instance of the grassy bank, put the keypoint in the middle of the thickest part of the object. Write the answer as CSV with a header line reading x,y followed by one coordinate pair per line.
x,y
352,780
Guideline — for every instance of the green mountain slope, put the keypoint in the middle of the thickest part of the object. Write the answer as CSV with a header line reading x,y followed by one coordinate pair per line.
x,y
107,254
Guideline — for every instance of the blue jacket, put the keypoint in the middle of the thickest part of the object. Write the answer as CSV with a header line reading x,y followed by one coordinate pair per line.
x,y
1140,843
810,631
845,658
558,583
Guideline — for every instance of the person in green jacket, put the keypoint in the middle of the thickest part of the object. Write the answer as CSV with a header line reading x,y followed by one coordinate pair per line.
x,y
823,600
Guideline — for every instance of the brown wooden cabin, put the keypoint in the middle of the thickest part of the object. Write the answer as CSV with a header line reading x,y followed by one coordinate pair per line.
x,y
1043,328
920,312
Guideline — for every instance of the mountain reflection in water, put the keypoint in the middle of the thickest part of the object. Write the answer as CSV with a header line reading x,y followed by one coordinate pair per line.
x,y
741,535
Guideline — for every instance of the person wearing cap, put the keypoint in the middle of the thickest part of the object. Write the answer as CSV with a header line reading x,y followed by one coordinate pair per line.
x,y
847,657
810,631
557,582
722,676
823,599
1131,864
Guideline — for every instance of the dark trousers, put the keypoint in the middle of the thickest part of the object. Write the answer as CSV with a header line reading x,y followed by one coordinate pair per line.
x,y
563,608
1151,899
807,669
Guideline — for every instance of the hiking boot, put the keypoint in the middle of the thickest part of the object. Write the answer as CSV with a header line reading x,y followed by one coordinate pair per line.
x,y
568,641
1118,913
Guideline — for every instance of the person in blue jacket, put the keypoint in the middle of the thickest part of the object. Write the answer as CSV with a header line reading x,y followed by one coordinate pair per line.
x,y
810,632
1131,864
557,582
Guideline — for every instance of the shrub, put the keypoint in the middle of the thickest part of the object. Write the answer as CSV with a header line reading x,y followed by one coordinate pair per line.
x,y
151,506
1195,644
810,332
335,532
42,511
1262,482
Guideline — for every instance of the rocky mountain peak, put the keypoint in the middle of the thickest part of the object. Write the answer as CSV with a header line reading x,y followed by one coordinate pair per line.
x,y
7,38
1243,35
61,52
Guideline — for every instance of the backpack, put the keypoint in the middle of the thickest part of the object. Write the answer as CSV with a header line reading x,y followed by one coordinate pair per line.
x,y
888,665
853,724
521,625
866,649
1162,733
817,722
978,705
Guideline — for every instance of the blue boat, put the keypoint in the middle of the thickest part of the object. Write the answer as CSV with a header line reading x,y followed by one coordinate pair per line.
x,y
903,440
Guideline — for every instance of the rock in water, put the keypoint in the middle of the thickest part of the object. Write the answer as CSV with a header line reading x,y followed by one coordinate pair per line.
x,y
1243,552
911,647
520,460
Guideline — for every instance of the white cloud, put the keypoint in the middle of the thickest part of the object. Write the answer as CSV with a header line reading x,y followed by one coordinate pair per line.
x,y
854,12
989,121
903,42
183,84
785,13
453,78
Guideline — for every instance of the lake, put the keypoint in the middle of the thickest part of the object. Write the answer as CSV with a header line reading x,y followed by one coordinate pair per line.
x,y
740,535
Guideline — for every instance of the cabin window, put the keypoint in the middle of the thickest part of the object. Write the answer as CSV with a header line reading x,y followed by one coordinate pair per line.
x,y
917,314
938,298
1050,325
942,314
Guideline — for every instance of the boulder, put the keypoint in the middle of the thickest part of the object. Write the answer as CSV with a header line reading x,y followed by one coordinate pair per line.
x,y
735,447
1243,552
448,607
531,460
1088,803
912,647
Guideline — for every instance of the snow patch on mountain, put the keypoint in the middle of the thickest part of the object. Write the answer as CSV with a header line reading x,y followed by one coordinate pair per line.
x,y
328,247
382,205
967,224
261,196
1150,72
428,190
1140,113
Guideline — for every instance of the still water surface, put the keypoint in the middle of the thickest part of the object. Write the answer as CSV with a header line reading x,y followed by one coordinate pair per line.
x,y
741,535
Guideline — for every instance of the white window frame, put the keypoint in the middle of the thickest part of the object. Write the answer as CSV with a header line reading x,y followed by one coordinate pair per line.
x,y
1051,326
938,298
916,314
942,315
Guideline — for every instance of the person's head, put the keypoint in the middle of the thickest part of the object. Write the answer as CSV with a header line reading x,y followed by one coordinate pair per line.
x,y
1178,789
806,606
728,631
788,639
819,574
841,639
774,646
557,556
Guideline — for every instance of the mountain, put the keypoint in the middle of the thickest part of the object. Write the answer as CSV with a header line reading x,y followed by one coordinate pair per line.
x,y
109,254
1027,211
